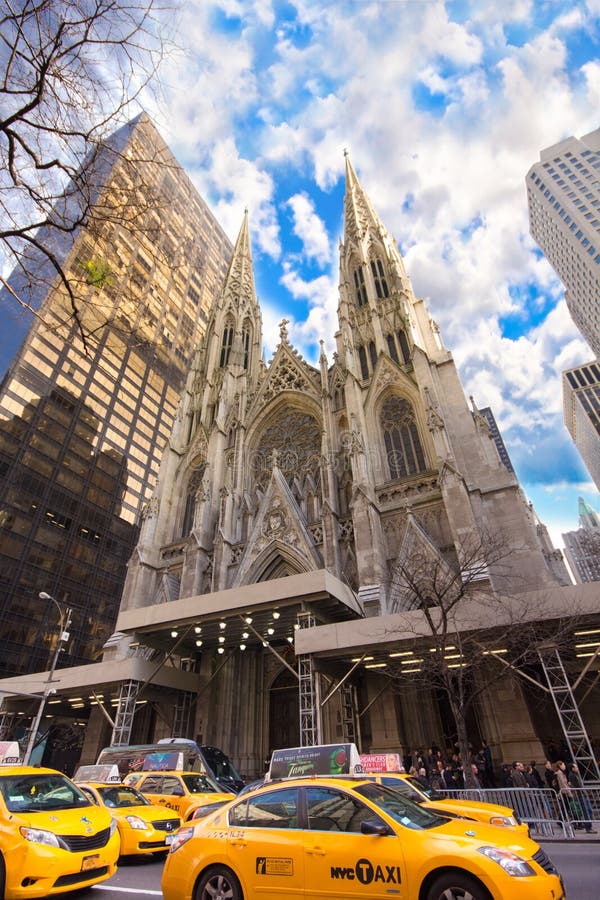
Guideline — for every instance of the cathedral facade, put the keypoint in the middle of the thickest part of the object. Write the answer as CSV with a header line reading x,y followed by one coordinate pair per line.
x,y
285,495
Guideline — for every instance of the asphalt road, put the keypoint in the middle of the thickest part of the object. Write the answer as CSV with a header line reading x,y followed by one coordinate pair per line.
x,y
579,864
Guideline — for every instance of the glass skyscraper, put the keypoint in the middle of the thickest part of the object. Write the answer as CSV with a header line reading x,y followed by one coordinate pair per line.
x,y
563,192
88,401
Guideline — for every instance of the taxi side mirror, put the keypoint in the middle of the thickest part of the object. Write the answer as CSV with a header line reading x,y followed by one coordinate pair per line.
x,y
376,827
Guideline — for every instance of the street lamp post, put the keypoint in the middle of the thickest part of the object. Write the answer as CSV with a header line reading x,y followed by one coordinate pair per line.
x,y
63,636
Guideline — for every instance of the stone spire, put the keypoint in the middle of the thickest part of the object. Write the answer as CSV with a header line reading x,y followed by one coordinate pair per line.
x,y
239,281
359,214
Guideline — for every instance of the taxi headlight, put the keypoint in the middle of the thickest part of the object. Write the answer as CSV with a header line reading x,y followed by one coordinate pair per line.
x,y
38,836
510,862
137,823
113,826
506,821
181,838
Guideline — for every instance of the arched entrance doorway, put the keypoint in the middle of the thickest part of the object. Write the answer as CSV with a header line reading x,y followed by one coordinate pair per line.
x,y
284,712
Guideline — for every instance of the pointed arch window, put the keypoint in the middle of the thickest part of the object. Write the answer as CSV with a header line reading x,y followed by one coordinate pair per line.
x,y
190,501
360,286
246,347
372,354
404,348
378,272
393,351
364,366
226,344
405,455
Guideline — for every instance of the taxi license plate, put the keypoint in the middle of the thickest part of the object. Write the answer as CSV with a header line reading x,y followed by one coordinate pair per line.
x,y
169,838
90,862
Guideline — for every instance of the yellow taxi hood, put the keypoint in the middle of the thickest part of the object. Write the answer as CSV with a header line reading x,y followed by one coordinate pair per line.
x,y
82,821
206,799
486,835
473,806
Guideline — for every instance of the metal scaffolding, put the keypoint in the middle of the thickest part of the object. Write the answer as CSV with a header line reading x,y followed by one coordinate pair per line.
x,y
310,724
128,694
568,713
7,722
182,719
348,720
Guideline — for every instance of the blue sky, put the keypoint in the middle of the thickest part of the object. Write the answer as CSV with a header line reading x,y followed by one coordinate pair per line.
x,y
443,108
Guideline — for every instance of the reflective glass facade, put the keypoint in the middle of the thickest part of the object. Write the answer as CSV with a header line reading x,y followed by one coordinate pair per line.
x,y
85,412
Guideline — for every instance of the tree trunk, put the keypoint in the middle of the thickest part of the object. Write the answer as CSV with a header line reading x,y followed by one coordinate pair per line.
x,y
463,740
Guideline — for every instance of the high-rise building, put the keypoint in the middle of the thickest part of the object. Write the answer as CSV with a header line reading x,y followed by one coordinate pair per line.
x,y
89,400
496,435
289,496
582,547
563,192
581,412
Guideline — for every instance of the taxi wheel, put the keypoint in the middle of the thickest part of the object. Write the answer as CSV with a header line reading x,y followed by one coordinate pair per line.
x,y
457,886
218,883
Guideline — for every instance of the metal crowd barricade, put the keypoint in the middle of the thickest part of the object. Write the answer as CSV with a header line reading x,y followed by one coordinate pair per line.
x,y
581,808
541,808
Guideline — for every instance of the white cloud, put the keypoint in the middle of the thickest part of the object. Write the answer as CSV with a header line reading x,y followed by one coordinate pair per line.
x,y
321,295
310,229
241,184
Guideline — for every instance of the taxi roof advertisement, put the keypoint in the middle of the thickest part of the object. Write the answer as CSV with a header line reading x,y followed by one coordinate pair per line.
x,y
381,762
325,759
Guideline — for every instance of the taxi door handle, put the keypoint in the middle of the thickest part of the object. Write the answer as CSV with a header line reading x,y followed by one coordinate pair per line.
x,y
238,842
318,851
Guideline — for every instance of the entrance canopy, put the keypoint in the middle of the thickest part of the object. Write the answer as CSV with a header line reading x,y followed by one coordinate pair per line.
x,y
264,612
262,616
385,643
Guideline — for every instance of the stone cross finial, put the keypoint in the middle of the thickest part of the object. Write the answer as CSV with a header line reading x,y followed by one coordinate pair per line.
x,y
283,333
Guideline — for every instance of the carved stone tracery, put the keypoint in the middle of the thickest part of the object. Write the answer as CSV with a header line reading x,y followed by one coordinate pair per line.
x,y
296,436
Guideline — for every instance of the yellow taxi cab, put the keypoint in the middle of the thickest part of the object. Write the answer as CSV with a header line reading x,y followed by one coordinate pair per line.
x,y
143,827
343,836
490,813
52,837
183,792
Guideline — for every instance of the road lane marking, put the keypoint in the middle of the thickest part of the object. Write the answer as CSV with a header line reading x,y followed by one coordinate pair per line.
x,y
125,890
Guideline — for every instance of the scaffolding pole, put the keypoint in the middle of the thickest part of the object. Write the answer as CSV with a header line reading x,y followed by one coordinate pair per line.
x,y
183,714
569,716
310,724
128,694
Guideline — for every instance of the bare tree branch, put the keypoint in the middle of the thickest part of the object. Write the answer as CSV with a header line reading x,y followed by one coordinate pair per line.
x,y
466,615
71,73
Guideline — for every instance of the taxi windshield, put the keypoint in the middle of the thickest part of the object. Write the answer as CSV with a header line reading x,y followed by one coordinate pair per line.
x,y
401,785
40,793
430,793
399,807
122,796
200,784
